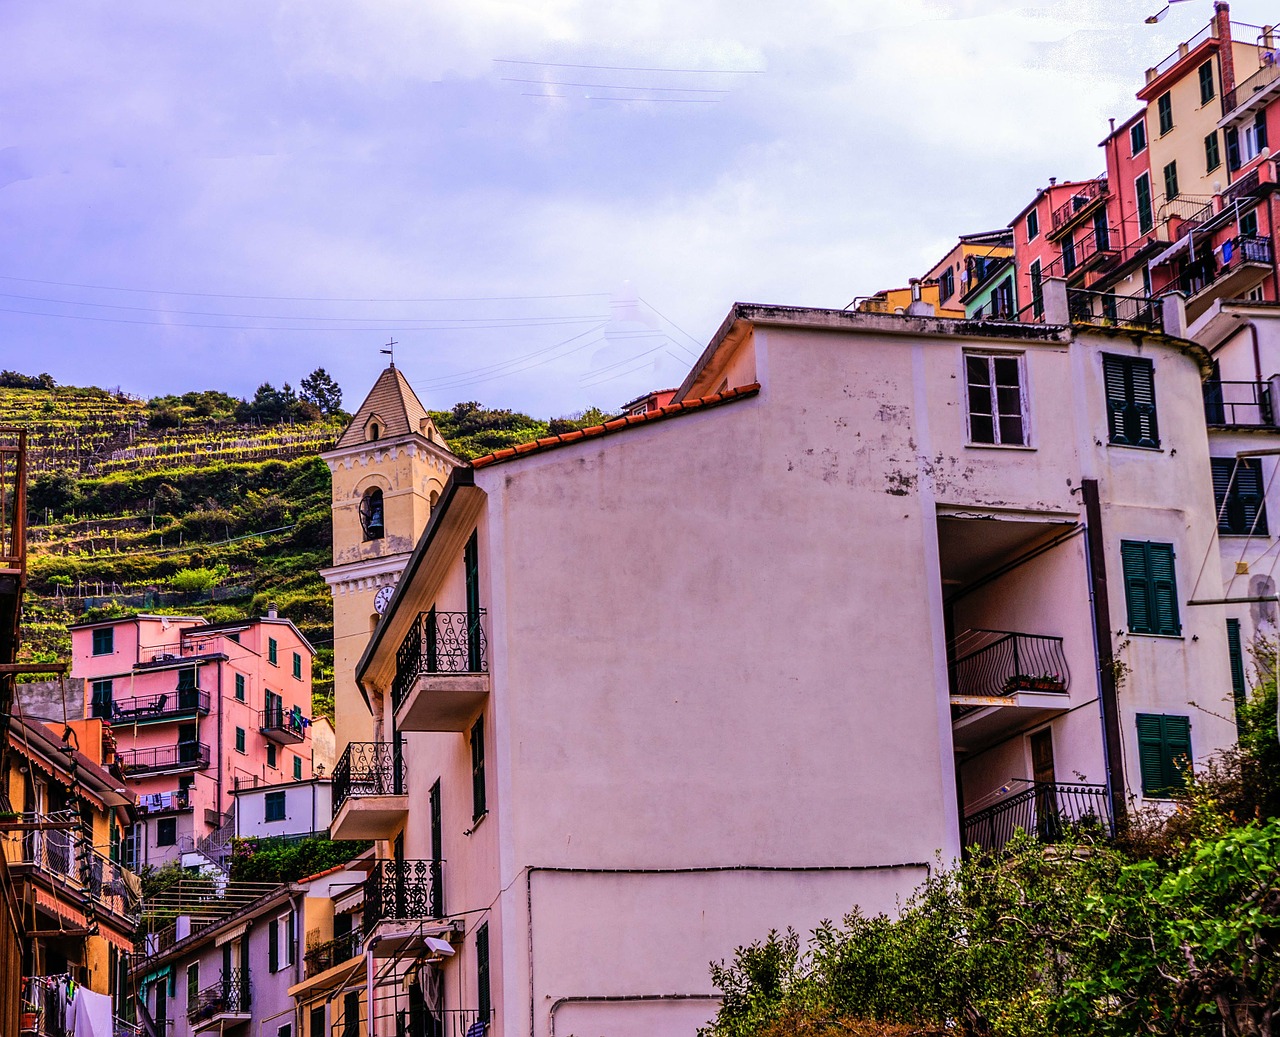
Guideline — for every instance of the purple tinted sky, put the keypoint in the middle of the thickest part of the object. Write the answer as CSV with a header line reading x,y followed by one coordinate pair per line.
x,y
198,195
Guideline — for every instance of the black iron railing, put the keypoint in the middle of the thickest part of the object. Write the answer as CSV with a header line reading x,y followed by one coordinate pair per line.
x,y
333,952
1260,80
440,642
193,755
402,890
229,996
65,854
1050,811
369,769
461,1022
1109,309
1084,195
1001,662
182,702
1245,404
287,722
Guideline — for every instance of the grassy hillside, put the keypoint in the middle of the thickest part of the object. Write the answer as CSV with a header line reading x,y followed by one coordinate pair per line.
x,y
181,505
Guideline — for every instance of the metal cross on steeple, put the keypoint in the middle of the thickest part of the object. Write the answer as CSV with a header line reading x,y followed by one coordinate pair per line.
x,y
390,351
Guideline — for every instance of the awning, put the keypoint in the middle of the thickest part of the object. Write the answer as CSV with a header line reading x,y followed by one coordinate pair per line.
x,y
231,934
52,903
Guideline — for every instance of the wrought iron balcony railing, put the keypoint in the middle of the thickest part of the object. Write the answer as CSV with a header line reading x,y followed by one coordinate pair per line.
x,y
333,952
1049,811
64,854
369,769
280,724
183,756
1238,404
403,890
166,655
180,703
440,642
994,663
229,996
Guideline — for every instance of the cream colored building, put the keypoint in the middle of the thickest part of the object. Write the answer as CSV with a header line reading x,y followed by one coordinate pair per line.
x,y
388,467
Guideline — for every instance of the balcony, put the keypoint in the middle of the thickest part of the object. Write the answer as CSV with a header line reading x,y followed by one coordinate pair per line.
x,y
323,956
176,802
225,1003
1002,681
1236,102
181,704
1082,202
54,851
1049,811
370,792
283,726
1106,309
442,675
164,759
403,891
1246,264
1238,404
157,657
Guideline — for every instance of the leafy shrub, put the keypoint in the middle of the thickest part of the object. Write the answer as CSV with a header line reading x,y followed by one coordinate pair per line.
x,y
267,860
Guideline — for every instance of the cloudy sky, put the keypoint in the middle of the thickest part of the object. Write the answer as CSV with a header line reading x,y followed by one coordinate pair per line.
x,y
547,205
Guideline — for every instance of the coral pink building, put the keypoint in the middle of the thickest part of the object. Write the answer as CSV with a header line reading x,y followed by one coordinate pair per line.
x,y
197,710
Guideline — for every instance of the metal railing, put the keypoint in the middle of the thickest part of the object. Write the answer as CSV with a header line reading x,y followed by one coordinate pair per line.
x,y
369,769
403,890
1204,271
158,655
1191,210
1246,185
1185,48
13,497
164,802
229,996
184,755
1109,310
1242,404
994,663
1083,196
1050,811
333,952
460,1022
182,702
289,722
440,642
63,853
1243,93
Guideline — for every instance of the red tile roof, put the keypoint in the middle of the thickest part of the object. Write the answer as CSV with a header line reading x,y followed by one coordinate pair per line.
x,y
671,410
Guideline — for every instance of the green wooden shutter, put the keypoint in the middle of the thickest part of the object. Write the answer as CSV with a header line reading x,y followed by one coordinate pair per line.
x,y
1142,402
1151,753
1164,588
1248,489
1142,190
483,996
477,770
1177,745
273,950
1137,588
1239,689
1113,379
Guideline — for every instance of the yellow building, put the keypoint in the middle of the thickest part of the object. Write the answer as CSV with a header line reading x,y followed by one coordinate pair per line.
x,y
388,467
64,828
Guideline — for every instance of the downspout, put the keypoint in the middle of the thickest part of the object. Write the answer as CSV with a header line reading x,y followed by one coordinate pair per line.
x,y
221,718
1108,706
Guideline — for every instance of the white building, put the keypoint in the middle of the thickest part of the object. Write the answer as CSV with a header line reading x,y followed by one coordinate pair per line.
x,y
294,808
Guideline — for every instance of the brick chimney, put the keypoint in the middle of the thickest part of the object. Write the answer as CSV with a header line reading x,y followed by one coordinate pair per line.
x,y
1222,29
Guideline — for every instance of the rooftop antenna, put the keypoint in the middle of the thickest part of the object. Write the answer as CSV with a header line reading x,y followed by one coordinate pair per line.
x,y
390,351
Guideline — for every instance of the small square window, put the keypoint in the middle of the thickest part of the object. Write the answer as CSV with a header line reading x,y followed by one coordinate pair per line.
x,y
104,641
271,756
239,739
995,400
167,831
274,804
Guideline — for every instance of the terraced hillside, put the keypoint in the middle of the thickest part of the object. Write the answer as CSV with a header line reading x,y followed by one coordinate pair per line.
x,y
172,506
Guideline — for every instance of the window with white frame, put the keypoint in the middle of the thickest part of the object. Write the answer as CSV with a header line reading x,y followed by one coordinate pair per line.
x,y
995,398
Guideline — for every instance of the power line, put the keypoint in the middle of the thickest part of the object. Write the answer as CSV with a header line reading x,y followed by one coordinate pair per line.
x,y
650,100
677,327
636,68
301,298
623,86
455,384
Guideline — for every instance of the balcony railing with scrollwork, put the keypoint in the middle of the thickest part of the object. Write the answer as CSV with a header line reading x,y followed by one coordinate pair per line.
x,y
1049,811
369,769
229,996
440,642
333,952
403,890
995,663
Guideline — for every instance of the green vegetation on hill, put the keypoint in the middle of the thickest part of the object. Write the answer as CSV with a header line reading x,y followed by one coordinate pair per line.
x,y
196,503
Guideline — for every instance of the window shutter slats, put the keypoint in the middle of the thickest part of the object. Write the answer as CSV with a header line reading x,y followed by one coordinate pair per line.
x,y
1235,652
1164,585
1151,753
1133,557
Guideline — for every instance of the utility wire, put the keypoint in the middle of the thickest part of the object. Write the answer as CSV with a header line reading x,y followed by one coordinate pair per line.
x,y
622,86
650,100
636,68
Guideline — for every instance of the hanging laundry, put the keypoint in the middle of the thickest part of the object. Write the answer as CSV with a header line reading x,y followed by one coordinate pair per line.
x,y
91,1015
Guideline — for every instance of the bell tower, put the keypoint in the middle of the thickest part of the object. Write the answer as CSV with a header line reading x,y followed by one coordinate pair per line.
x,y
389,468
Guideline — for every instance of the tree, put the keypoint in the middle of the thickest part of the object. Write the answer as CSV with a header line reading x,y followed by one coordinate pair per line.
x,y
269,406
320,390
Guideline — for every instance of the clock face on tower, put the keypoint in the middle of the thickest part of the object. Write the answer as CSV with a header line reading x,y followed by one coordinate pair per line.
x,y
383,598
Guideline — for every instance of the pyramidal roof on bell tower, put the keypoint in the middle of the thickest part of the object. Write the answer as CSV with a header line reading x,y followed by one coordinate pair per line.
x,y
393,402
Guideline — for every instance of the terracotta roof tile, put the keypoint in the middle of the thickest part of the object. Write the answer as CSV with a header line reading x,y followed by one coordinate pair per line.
x,y
671,410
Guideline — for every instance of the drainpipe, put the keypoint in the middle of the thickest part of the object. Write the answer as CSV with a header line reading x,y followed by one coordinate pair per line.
x,y
1108,706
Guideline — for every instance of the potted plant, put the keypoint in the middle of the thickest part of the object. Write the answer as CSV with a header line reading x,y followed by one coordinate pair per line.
x,y
1034,682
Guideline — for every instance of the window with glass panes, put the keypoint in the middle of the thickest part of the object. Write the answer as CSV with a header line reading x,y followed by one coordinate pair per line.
x,y
104,641
996,403
1150,587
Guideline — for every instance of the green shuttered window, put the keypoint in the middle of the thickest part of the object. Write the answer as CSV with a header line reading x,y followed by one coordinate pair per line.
x,y
484,996
1237,495
1131,400
1150,590
1235,652
1164,753
1142,191
478,805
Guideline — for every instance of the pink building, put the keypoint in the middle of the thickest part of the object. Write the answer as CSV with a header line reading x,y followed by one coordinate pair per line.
x,y
197,710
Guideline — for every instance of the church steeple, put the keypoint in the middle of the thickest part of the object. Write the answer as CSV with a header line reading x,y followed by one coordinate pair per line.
x,y
392,409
